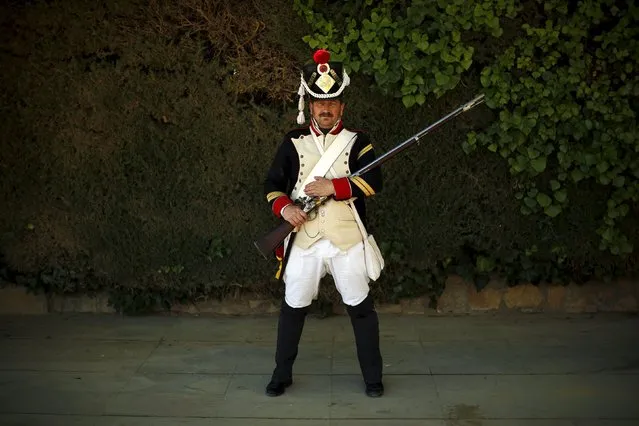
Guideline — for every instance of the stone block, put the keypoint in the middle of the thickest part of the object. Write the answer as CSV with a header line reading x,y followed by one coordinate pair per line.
x,y
74,303
102,305
188,308
455,296
340,309
224,307
487,299
234,308
389,308
523,296
555,297
262,306
16,300
578,300
412,306
626,303
627,300
603,295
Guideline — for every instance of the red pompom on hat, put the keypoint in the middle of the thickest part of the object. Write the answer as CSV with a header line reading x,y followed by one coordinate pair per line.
x,y
322,56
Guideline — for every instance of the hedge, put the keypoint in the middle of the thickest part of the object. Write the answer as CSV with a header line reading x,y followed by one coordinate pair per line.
x,y
137,136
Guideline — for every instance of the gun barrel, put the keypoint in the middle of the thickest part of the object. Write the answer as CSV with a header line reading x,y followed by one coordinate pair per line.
x,y
410,141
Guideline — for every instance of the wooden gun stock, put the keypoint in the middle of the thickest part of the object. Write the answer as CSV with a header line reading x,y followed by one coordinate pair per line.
x,y
273,239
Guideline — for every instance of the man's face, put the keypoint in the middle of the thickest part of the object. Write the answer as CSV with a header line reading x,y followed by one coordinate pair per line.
x,y
327,112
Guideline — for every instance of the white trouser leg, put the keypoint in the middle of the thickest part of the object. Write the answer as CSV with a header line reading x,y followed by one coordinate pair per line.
x,y
305,268
302,275
349,272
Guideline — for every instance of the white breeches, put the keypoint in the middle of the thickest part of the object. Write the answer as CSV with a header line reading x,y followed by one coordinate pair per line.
x,y
305,268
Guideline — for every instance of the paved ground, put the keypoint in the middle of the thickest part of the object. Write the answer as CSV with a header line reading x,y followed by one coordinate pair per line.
x,y
528,370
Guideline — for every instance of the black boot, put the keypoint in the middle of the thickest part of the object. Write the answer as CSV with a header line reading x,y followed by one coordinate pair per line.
x,y
366,328
289,332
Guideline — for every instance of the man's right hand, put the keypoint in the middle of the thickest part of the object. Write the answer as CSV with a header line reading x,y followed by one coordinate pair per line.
x,y
294,215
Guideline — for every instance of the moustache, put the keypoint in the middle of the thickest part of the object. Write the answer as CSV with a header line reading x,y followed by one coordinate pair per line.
x,y
326,114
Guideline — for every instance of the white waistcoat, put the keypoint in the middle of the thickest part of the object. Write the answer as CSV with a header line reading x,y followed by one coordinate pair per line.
x,y
333,220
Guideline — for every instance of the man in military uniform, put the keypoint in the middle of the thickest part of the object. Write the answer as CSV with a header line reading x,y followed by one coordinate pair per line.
x,y
328,240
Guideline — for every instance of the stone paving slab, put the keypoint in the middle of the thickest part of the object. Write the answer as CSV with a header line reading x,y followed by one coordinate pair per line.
x,y
308,398
68,355
583,356
454,422
399,357
48,420
536,356
251,330
541,396
57,392
203,329
468,357
85,327
404,329
407,397
235,357
170,395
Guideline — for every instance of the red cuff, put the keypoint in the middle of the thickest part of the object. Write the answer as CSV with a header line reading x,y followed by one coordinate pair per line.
x,y
342,188
280,203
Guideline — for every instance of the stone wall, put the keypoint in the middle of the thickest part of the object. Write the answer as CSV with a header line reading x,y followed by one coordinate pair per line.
x,y
459,297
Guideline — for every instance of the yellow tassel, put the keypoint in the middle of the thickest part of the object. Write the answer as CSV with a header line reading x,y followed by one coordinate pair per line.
x,y
279,270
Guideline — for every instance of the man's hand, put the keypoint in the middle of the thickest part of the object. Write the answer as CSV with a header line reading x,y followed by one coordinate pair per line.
x,y
294,215
322,187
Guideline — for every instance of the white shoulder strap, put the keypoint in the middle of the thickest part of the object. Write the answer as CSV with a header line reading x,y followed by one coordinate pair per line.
x,y
358,219
328,158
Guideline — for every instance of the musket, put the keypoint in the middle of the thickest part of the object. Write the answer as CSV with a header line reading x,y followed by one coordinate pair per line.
x,y
275,237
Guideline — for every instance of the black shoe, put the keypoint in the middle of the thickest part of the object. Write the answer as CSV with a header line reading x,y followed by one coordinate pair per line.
x,y
375,390
277,388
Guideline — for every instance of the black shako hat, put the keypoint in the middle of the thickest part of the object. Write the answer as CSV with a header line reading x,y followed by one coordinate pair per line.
x,y
321,79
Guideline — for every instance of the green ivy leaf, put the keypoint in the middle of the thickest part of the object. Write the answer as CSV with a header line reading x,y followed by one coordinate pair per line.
x,y
576,175
408,100
530,202
441,79
618,181
543,199
552,210
538,164
561,196
485,264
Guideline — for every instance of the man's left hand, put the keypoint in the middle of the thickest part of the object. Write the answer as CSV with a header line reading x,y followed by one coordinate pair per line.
x,y
322,187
